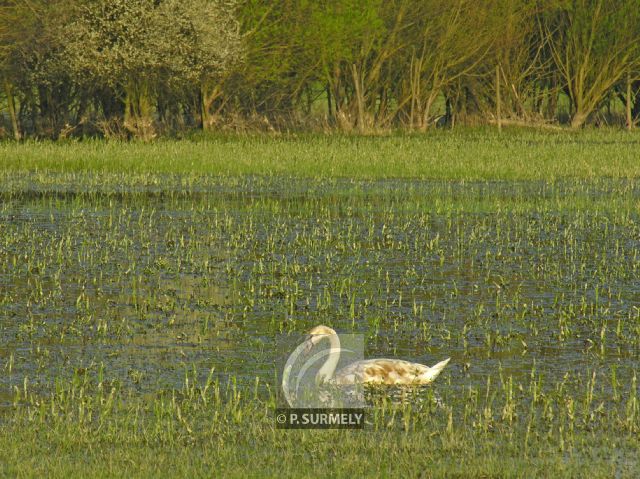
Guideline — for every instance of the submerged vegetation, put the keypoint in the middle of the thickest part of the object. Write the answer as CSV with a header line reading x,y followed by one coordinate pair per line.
x,y
143,287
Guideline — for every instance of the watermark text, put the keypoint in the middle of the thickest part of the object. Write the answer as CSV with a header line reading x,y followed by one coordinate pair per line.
x,y
351,418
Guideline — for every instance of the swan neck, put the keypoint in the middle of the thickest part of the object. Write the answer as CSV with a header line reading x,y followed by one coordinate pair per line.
x,y
329,367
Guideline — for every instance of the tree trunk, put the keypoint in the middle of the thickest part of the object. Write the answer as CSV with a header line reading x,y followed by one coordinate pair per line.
x,y
628,105
427,111
448,113
498,117
208,96
138,118
12,110
359,98
415,86
578,119
204,111
551,110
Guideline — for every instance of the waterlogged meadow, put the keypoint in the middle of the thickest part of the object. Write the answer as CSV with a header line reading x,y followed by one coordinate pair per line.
x,y
139,316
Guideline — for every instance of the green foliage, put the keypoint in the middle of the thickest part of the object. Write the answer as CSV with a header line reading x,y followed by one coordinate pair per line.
x,y
177,42
138,47
143,67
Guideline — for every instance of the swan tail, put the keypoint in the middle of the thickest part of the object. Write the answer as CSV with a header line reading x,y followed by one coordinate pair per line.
x,y
434,371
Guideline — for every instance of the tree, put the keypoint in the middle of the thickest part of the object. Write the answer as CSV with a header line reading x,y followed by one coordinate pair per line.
x,y
447,41
593,44
352,42
33,81
519,59
137,47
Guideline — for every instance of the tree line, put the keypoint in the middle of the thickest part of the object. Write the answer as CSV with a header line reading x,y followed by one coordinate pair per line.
x,y
143,68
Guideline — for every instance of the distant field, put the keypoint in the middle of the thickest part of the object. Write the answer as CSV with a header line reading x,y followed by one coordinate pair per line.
x,y
458,154
143,288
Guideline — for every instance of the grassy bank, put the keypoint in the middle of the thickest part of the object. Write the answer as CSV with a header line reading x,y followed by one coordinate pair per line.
x,y
458,154
505,429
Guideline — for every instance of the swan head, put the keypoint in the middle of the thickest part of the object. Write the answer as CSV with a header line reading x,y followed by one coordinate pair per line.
x,y
317,334
321,330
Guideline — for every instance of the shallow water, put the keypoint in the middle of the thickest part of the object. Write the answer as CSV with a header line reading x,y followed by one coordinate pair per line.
x,y
141,281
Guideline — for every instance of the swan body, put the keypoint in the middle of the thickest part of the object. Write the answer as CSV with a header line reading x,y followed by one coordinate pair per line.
x,y
388,372
370,371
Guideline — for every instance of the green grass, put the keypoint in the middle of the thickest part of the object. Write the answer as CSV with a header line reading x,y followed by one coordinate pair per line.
x,y
458,154
90,429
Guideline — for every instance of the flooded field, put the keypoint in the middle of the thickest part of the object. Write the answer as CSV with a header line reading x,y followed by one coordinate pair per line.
x,y
511,277
532,288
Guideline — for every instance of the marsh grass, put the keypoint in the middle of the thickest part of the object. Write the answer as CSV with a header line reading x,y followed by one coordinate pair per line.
x,y
469,154
507,429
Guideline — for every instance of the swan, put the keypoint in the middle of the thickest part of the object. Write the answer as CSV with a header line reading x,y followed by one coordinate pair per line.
x,y
369,371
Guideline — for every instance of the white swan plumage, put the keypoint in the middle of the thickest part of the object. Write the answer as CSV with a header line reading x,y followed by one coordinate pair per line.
x,y
370,371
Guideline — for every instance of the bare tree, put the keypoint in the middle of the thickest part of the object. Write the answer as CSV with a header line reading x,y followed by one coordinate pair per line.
x,y
593,44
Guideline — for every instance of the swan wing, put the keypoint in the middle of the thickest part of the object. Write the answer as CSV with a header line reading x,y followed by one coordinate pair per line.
x,y
388,371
